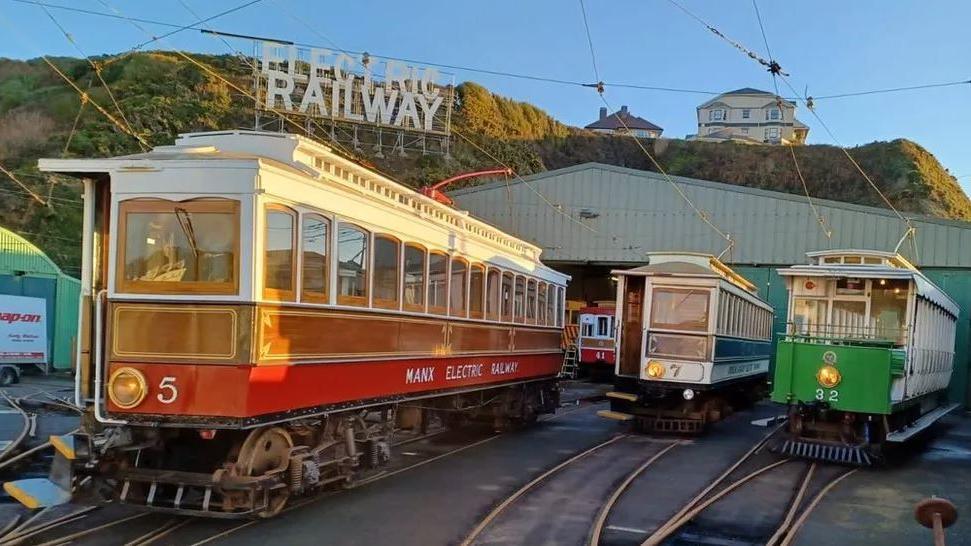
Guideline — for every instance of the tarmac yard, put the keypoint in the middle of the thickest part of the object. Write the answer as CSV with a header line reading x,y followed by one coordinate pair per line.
x,y
570,479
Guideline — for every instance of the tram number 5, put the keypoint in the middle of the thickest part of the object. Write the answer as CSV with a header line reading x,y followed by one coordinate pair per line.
x,y
169,391
831,396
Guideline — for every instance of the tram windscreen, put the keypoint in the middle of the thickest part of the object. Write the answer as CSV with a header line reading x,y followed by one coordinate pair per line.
x,y
179,247
679,309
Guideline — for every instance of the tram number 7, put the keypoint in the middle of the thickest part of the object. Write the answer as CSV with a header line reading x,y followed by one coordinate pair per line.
x,y
675,370
832,396
169,391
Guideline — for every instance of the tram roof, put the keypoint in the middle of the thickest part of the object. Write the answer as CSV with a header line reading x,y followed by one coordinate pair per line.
x,y
690,264
891,266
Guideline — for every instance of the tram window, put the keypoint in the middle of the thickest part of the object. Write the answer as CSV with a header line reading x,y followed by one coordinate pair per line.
x,y
506,297
352,264
476,291
278,253
531,302
679,309
492,294
541,303
457,295
386,272
852,260
888,308
808,316
603,329
315,233
551,306
187,247
849,319
437,282
520,301
414,278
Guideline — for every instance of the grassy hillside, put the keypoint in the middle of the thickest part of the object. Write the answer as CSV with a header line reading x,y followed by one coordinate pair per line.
x,y
162,94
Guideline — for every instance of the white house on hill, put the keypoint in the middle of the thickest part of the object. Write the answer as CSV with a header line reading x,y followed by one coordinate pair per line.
x,y
750,116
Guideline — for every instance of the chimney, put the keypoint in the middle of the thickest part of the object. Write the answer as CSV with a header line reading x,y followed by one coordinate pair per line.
x,y
623,110
603,112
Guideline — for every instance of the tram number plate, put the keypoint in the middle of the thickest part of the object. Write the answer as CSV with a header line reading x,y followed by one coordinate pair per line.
x,y
832,395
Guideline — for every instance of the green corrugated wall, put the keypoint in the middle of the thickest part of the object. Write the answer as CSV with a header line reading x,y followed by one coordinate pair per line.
x,y
21,261
955,282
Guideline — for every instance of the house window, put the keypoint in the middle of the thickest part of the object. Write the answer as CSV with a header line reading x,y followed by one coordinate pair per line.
x,y
773,114
716,115
772,133
746,113
744,130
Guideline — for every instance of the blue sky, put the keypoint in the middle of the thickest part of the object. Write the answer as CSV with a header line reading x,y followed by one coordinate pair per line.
x,y
831,46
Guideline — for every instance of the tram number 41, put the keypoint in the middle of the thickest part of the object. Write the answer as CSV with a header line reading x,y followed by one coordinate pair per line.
x,y
169,391
828,396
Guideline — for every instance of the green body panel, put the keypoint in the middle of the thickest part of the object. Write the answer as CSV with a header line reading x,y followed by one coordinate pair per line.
x,y
866,373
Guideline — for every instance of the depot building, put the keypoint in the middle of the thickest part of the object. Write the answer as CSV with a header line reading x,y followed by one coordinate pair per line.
x,y
601,217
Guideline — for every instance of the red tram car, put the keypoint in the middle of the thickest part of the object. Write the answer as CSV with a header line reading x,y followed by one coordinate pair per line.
x,y
260,315
595,342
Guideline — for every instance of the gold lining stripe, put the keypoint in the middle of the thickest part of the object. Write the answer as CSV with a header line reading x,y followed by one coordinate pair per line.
x,y
182,310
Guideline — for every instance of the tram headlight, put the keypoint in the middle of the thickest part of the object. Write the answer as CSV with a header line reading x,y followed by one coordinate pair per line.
x,y
688,394
655,370
127,387
828,376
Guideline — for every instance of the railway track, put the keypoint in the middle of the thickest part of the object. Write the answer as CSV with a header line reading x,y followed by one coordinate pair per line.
x,y
762,499
131,527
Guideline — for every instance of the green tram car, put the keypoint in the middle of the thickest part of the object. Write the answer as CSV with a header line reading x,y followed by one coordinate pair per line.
x,y
866,357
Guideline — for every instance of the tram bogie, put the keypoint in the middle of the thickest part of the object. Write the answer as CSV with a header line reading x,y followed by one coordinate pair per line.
x,y
866,358
693,343
261,315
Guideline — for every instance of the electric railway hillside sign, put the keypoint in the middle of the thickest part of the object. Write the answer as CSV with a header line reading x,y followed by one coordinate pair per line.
x,y
359,100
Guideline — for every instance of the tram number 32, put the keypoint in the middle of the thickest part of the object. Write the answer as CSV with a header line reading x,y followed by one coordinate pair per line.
x,y
169,391
832,395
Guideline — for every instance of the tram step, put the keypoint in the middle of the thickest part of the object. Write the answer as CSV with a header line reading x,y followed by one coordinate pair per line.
x,y
37,492
920,424
615,415
622,396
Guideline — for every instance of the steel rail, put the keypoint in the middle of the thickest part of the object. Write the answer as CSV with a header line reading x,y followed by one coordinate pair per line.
x,y
794,530
793,508
662,534
23,433
597,528
85,532
25,533
491,516
690,504
159,532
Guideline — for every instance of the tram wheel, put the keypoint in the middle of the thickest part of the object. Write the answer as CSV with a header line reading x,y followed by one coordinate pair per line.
x,y
266,451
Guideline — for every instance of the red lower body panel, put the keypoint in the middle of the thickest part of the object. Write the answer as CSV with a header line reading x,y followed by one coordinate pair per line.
x,y
249,391
596,356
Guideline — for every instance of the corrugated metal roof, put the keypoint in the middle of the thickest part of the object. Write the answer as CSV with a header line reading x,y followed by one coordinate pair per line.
x,y
20,255
630,212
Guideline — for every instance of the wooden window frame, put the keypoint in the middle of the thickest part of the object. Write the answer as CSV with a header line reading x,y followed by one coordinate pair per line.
x,y
437,309
521,318
308,295
278,294
531,283
503,315
148,205
382,303
542,288
480,315
354,301
497,316
465,287
423,306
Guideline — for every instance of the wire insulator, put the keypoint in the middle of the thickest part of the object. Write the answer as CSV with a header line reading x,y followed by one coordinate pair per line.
x,y
600,87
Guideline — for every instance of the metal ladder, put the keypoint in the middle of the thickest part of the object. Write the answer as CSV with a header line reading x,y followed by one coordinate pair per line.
x,y
569,368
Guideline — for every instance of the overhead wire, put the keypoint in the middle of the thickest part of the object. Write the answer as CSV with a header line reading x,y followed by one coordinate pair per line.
x,y
792,152
556,208
910,229
97,72
13,177
680,191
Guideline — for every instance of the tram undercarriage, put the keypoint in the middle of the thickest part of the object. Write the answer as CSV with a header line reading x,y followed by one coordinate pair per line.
x,y
680,409
253,473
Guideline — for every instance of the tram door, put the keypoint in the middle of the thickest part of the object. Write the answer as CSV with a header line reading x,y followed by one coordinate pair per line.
x,y
629,361
94,277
